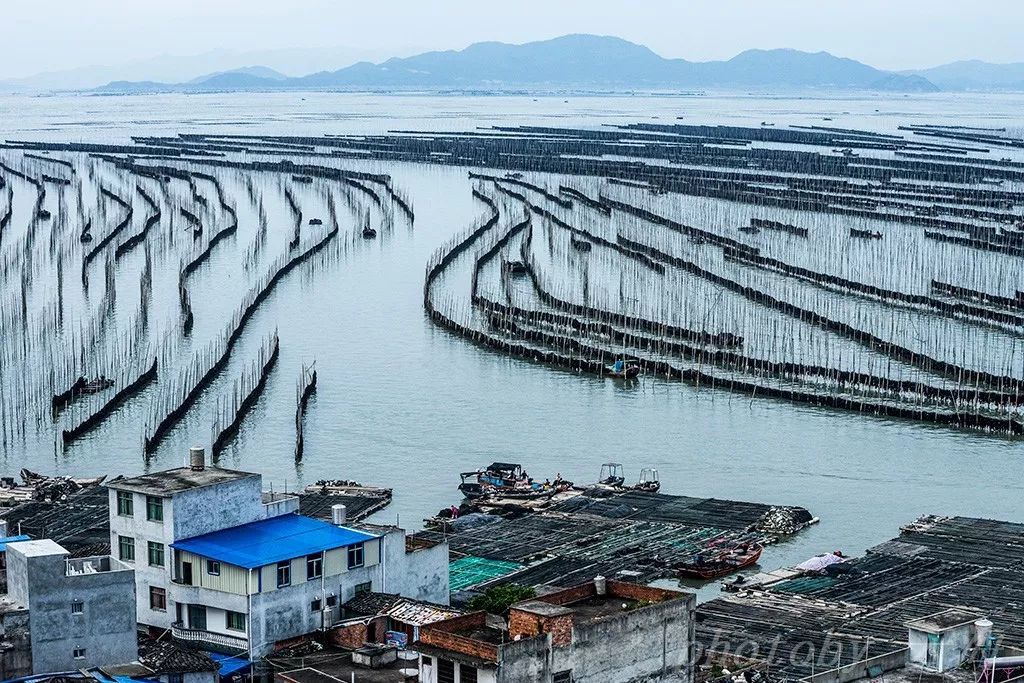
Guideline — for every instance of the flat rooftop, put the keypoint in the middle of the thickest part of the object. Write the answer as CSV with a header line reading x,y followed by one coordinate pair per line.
x,y
601,606
169,482
944,621
272,540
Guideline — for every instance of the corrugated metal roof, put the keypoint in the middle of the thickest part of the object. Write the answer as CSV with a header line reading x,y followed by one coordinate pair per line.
x,y
268,541
418,613
12,539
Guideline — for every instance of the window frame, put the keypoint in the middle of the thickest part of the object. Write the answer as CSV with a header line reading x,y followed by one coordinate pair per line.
x,y
78,653
364,587
228,614
473,673
316,605
161,595
564,676
314,566
211,565
77,607
285,566
445,670
125,504
126,542
154,546
154,509
359,550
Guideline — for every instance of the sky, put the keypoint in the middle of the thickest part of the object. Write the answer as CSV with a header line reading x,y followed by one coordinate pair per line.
x,y
889,34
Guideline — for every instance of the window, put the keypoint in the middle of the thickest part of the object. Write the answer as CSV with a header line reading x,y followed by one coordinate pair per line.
x,y
157,599
156,554
284,574
314,566
175,678
315,606
355,556
445,671
126,548
213,567
561,676
125,506
427,661
467,673
235,621
363,588
79,653
154,509
332,600
77,607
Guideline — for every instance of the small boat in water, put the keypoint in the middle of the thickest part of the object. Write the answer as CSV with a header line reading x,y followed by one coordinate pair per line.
x,y
716,563
515,267
622,371
649,481
611,475
508,481
369,233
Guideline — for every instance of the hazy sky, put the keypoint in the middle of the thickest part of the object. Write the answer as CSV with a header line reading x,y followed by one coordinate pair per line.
x,y
894,34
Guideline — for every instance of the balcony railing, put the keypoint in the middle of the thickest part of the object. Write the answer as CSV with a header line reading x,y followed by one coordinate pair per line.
x,y
219,642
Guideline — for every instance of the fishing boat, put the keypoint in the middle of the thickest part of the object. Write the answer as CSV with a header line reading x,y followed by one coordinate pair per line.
x,y
369,233
503,476
622,371
316,221
714,564
611,475
649,481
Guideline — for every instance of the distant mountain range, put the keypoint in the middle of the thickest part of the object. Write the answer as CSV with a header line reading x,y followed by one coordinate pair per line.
x,y
598,63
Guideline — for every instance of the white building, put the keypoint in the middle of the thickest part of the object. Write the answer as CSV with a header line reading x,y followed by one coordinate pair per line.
x,y
226,567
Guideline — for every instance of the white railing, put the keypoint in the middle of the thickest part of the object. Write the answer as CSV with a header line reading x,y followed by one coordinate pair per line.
x,y
217,640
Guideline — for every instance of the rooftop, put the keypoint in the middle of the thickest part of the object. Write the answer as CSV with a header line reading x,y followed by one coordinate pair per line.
x,y
271,540
601,606
38,548
169,482
943,621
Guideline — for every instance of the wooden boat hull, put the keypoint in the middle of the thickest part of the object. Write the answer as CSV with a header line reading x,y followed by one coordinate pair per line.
x,y
716,570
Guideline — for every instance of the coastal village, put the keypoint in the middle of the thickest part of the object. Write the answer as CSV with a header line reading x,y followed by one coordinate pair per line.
x,y
198,574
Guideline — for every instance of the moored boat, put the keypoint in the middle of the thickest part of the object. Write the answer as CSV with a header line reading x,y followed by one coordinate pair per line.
x,y
714,564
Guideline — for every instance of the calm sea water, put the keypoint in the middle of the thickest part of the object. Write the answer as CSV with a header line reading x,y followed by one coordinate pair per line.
x,y
404,404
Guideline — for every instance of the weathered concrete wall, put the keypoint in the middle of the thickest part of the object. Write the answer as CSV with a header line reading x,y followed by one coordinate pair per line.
x,y
646,644
421,574
204,509
529,659
105,628
858,671
16,656
285,613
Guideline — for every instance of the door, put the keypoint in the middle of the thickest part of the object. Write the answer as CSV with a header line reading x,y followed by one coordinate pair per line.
x,y
186,573
932,661
197,617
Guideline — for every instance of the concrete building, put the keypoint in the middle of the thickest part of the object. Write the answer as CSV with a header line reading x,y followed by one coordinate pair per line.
x,y
941,642
81,611
229,568
594,633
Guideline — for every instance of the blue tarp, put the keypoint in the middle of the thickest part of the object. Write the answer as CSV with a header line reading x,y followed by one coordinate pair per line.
x,y
273,540
11,539
229,664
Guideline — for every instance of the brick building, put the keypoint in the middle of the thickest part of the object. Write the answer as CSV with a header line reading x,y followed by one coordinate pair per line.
x,y
596,632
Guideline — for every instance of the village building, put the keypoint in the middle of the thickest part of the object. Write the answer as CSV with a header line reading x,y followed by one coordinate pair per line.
x,y
63,613
229,568
593,633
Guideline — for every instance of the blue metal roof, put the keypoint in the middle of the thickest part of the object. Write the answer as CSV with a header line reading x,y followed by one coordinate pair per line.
x,y
229,664
11,539
271,540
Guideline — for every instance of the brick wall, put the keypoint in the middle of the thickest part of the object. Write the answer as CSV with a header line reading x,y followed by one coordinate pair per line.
x,y
624,589
444,634
523,624
560,629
